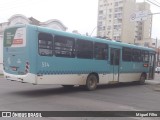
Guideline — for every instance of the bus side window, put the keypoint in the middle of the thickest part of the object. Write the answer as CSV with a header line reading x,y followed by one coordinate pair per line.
x,y
127,54
100,51
64,46
146,56
136,55
45,44
84,49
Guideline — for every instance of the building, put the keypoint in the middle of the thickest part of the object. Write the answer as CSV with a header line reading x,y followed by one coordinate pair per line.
x,y
114,21
143,28
21,19
1,54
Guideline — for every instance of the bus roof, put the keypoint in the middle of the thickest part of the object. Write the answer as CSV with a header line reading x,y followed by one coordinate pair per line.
x,y
79,36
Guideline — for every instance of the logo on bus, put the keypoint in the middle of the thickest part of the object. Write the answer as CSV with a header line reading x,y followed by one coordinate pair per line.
x,y
17,41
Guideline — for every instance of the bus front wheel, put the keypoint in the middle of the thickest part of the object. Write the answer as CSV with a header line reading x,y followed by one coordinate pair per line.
x,y
142,79
91,83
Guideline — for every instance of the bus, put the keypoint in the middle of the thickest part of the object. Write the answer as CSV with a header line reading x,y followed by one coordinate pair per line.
x,y
39,55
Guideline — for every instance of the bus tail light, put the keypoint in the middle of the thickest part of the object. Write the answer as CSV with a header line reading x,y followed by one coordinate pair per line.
x,y
145,65
27,67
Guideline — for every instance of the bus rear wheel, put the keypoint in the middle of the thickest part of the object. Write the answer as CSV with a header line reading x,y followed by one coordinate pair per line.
x,y
91,83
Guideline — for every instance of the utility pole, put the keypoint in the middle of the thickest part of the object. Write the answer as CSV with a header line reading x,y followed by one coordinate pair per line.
x,y
156,44
157,51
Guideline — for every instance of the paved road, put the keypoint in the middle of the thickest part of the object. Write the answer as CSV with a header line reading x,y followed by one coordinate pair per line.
x,y
15,96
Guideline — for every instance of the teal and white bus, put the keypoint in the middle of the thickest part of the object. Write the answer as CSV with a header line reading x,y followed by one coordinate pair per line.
x,y
40,55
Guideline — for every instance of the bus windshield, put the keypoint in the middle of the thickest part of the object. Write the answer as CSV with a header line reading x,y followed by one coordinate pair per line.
x,y
15,37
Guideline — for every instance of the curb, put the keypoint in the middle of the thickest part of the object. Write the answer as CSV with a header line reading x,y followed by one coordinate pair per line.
x,y
153,82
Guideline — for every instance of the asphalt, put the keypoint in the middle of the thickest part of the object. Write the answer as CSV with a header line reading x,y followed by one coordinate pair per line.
x,y
155,81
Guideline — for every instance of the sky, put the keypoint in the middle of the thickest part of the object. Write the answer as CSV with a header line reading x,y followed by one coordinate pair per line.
x,y
78,15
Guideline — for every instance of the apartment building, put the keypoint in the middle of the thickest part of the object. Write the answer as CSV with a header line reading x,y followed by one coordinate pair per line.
x,y
143,28
114,21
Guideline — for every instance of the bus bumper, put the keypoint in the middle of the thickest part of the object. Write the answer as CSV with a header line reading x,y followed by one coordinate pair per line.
x,y
28,78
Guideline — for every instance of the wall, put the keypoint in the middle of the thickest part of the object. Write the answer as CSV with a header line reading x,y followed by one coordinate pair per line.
x,y
1,54
128,27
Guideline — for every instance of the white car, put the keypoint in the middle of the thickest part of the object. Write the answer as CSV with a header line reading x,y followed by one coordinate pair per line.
x,y
157,70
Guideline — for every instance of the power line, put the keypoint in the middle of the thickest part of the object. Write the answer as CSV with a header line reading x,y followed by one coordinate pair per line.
x,y
153,3
156,1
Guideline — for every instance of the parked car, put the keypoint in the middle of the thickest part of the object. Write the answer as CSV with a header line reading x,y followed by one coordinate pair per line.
x,y
157,70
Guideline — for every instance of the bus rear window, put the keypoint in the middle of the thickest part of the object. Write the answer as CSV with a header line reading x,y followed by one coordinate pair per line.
x,y
15,37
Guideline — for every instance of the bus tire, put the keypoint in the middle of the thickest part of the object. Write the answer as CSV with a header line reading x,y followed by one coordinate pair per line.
x,y
91,82
142,79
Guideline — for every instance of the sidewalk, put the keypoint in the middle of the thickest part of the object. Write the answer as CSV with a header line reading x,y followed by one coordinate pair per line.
x,y
155,81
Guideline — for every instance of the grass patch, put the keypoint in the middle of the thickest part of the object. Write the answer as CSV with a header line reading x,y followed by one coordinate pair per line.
x,y
1,75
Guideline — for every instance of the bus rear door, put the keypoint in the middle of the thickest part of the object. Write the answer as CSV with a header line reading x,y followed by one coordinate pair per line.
x,y
151,66
115,63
